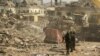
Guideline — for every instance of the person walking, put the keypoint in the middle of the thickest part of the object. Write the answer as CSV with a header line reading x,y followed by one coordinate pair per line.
x,y
70,41
67,42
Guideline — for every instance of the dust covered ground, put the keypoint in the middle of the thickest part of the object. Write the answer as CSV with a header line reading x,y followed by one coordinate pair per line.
x,y
43,49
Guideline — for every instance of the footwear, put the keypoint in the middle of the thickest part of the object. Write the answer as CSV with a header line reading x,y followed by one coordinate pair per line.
x,y
68,52
71,51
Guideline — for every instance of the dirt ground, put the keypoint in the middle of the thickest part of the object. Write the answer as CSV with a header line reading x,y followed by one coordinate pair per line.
x,y
87,49
43,49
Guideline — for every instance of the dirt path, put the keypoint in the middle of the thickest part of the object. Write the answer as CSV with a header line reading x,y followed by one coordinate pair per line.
x,y
42,49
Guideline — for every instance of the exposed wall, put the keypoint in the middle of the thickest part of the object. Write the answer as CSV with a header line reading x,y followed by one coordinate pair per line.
x,y
32,10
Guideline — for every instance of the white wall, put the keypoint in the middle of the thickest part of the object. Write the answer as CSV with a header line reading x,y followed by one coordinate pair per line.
x,y
38,11
32,10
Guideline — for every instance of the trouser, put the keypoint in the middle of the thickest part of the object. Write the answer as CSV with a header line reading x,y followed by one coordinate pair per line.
x,y
73,45
70,47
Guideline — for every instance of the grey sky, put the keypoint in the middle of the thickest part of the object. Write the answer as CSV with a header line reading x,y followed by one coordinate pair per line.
x,y
62,0
46,1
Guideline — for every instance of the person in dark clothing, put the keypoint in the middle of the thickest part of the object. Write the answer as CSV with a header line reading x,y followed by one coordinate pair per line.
x,y
67,41
72,34
70,41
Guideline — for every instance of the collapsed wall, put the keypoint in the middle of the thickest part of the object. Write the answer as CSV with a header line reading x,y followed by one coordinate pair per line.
x,y
16,32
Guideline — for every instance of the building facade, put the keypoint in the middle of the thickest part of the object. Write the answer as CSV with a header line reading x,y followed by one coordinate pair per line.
x,y
31,10
26,9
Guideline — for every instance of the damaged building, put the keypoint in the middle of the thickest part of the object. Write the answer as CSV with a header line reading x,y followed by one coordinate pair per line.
x,y
31,9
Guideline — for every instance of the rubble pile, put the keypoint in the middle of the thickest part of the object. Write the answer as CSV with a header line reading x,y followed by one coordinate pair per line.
x,y
16,32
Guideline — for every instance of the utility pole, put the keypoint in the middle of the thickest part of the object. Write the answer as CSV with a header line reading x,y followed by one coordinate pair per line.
x,y
51,3
56,2
60,2
41,2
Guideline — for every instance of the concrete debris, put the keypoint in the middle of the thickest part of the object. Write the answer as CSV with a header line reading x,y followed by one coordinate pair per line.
x,y
20,32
